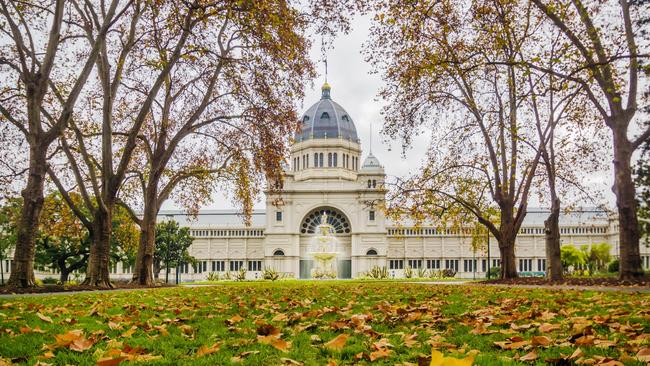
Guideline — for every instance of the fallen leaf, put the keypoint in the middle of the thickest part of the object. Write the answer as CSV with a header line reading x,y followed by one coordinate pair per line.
x,y
44,318
337,343
381,353
532,356
288,361
110,361
540,341
437,359
205,350
546,327
643,355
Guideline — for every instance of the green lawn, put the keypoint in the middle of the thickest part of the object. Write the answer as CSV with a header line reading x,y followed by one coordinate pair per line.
x,y
335,322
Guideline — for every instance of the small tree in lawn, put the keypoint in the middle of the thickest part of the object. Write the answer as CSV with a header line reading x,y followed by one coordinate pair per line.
x,y
572,257
172,243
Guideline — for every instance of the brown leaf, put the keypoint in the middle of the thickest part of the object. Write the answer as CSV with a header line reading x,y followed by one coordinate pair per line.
x,y
576,354
643,355
82,344
546,327
540,341
532,356
337,344
585,341
205,350
381,353
110,361
275,341
234,320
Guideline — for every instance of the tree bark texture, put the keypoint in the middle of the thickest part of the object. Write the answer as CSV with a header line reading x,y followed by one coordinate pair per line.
x,y
554,271
22,271
629,252
98,273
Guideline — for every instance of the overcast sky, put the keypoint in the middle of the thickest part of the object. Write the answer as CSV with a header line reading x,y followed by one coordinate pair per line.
x,y
355,89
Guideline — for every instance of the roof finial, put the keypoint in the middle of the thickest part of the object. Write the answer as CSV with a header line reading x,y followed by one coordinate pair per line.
x,y
325,89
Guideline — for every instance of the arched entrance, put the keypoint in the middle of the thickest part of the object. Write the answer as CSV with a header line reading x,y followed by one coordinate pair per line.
x,y
342,229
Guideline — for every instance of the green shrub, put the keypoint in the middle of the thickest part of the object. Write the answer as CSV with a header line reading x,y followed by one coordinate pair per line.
x,y
378,273
270,274
241,274
422,272
213,276
612,267
50,281
495,272
408,272
448,273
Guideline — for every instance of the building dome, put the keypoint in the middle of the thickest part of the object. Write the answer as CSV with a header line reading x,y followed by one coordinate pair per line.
x,y
371,162
326,119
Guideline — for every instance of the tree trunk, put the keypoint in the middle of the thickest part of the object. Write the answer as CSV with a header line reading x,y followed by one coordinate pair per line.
x,y
64,275
98,273
552,238
22,271
630,258
508,263
143,274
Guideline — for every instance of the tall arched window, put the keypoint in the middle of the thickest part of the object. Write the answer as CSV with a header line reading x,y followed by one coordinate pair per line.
x,y
374,183
329,160
335,162
336,219
320,156
307,161
369,183
315,160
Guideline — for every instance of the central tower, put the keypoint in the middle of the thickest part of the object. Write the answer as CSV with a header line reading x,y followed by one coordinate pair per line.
x,y
325,180
327,145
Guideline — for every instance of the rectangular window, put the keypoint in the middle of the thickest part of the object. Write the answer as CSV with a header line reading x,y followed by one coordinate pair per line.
x,y
396,264
483,265
415,263
451,264
433,263
541,265
371,215
254,265
278,216
236,265
218,266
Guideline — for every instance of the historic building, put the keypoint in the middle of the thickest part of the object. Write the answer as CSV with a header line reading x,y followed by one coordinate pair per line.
x,y
329,174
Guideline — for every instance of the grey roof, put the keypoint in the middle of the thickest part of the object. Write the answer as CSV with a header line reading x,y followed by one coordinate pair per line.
x,y
326,119
536,216
371,162
582,216
214,218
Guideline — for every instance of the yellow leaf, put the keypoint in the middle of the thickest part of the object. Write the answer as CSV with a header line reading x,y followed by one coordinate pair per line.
x,y
44,318
437,359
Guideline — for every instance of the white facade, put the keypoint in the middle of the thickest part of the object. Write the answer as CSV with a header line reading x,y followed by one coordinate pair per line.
x,y
326,175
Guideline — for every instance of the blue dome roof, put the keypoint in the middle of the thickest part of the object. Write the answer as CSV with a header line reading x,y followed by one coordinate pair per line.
x,y
326,119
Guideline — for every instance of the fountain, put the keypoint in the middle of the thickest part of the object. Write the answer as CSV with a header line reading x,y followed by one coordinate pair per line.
x,y
323,249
